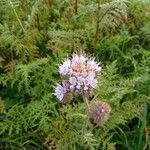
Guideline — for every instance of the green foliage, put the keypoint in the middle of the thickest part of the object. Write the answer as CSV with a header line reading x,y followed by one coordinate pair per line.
x,y
36,36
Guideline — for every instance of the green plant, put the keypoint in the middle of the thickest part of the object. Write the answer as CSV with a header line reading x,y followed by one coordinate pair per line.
x,y
35,36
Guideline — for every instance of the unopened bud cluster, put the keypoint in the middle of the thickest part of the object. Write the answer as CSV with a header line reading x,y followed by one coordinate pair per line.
x,y
99,112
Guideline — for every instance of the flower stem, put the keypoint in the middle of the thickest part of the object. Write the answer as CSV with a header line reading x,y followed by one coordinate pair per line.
x,y
84,127
86,101
76,7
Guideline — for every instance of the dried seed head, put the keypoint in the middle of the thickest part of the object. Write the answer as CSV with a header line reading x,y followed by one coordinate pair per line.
x,y
99,112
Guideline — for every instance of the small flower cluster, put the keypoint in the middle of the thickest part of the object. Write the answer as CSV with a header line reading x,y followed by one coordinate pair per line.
x,y
99,112
80,75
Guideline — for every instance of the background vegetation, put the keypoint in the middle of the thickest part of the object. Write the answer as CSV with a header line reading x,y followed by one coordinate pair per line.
x,y
35,37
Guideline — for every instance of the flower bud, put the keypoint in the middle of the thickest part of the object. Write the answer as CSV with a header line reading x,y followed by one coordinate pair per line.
x,y
99,112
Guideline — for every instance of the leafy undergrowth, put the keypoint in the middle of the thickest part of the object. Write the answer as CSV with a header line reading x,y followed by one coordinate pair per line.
x,y
36,36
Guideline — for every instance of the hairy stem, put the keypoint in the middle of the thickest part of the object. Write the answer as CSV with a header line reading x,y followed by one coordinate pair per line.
x,y
86,101
84,127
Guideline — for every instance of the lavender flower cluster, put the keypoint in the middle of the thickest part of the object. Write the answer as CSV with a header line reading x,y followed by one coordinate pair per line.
x,y
80,74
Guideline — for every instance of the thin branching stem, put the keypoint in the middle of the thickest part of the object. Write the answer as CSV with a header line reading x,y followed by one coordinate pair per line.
x,y
97,22
13,8
87,116
141,129
76,7
99,19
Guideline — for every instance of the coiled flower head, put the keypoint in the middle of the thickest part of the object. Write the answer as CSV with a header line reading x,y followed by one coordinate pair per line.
x,y
99,112
61,90
80,74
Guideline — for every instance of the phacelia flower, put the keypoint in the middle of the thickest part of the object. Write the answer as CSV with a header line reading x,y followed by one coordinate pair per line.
x,y
81,75
64,69
99,112
61,90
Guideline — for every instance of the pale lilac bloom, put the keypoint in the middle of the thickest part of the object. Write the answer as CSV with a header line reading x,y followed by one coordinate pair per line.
x,y
73,82
75,58
82,59
60,91
80,82
92,82
85,88
76,83
93,66
64,69
85,83
78,59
